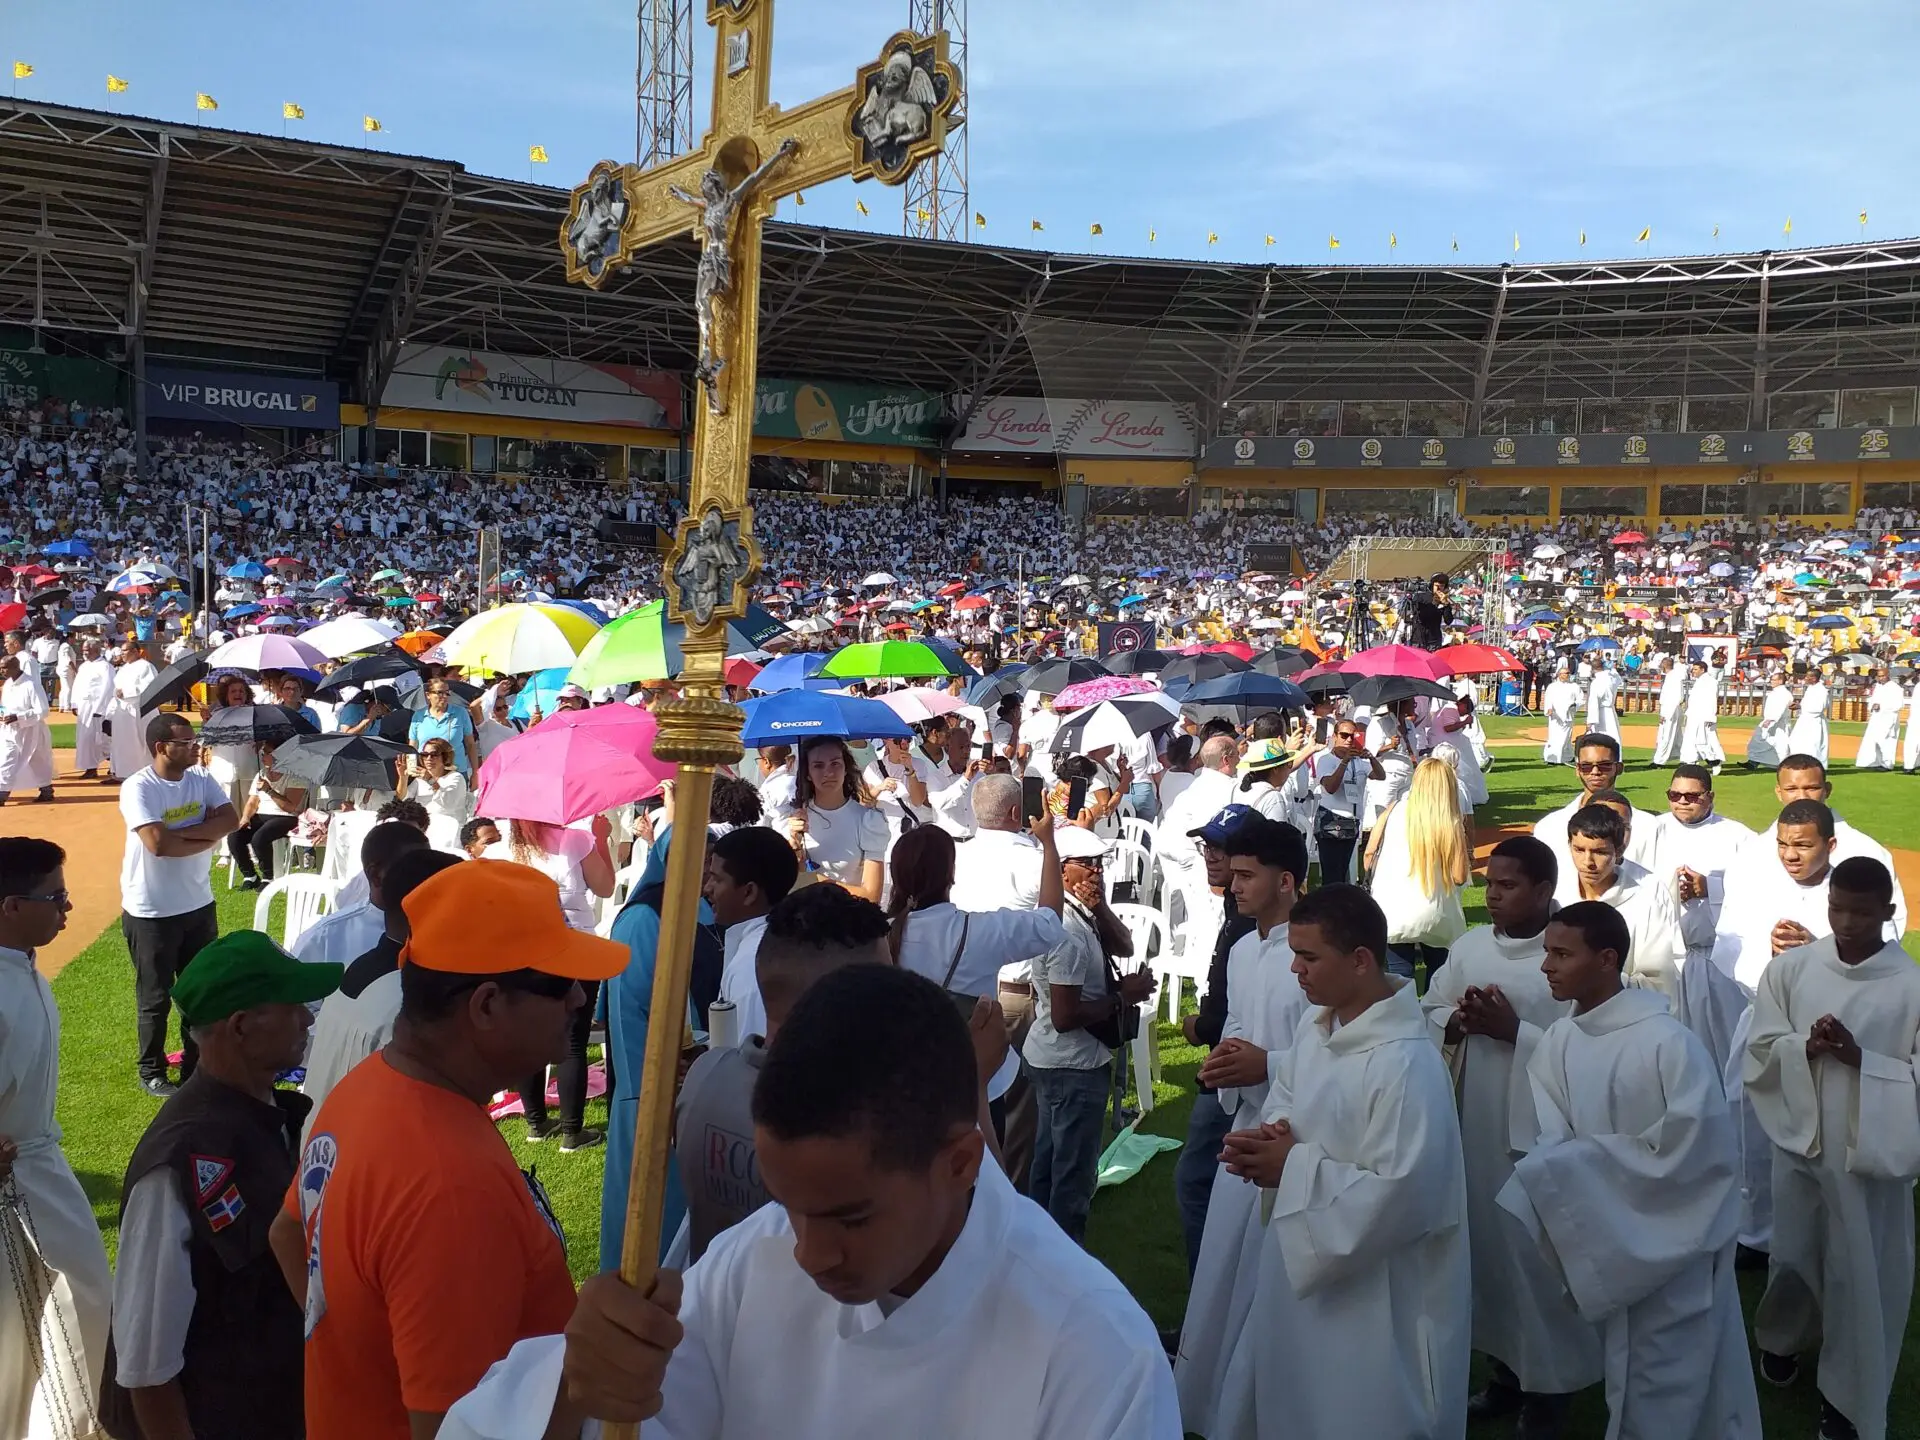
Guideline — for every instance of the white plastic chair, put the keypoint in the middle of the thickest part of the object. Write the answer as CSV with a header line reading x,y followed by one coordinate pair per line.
x,y
605,911
1186,953
308,898
1136,830
1148,928
346,829
1127,861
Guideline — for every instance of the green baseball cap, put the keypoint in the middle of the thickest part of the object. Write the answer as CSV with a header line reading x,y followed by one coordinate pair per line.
x,y
243,969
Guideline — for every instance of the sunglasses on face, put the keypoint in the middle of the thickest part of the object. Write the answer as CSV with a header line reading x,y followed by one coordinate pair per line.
x,y
1589,767
1687,797
527,982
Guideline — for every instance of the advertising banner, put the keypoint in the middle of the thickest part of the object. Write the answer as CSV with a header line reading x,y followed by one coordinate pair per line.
x,y
1730,449
243,398
481,382
856,414
1028,425
29,376
1116,637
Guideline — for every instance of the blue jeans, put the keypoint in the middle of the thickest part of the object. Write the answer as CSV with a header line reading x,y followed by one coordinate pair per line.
x,y
1145,800
1207,1127
1401,958
1072,1110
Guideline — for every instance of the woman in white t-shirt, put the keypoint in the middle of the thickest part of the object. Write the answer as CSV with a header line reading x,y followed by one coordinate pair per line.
x,y
439,787
902,780
496,729
1421,862
273,806
835,829
234,766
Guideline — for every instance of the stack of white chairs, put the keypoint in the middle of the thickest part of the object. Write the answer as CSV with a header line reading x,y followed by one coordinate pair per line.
x,y
1148,929
308,898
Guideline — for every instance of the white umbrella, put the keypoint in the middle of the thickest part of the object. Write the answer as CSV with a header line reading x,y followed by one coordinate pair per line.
x,y
349,635
86,622
811,625
1293,597
1548,552
879,577
900,605
1268,622
921,703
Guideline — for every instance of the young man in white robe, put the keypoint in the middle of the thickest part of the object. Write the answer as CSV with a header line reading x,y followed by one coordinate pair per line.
x,y
54,1318
1265,1004
1809,733
896,1284
1767,746
1830,1069
1559,700
1596,760
1700,740
1803,777
1673,694
1487,1009
1880,745
1603,696
26,745
1631,1191
1660,924
1910,747
128,742
1702,846
91,693
1361,1316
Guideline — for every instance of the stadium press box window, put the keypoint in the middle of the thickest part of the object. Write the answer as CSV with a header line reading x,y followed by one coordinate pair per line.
x,y
1413,502
1708,413
1373,417
1507,500
1862,408
1530,417
1805,499
1679,500
1891,495
1629,417
1436,417
1803,410
1603,500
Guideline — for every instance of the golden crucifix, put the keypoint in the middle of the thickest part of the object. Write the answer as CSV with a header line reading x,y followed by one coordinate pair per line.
x,y
893,116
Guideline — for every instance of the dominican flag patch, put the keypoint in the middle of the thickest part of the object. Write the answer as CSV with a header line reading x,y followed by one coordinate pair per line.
x,y
210,1172
224,1211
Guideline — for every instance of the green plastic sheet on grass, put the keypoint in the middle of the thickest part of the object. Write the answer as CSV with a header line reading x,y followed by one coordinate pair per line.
x,y
1129,1153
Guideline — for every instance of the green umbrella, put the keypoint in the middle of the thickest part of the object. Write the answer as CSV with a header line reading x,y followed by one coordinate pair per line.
x,y
628,648
895,659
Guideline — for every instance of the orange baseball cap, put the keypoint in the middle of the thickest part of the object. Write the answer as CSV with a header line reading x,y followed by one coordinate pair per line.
x,y
489,917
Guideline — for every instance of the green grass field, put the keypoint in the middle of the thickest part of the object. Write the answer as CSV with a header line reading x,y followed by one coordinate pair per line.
x,y
1134,1227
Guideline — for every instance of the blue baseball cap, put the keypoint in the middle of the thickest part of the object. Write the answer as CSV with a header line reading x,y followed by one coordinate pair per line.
x,y
1221,827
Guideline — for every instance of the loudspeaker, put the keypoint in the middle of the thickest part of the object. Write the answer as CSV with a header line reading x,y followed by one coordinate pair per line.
x,y
610,531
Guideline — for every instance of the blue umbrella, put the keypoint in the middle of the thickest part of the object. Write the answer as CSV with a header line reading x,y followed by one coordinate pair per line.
x,y
924,604
1155,572
794,672
1830,622
1249,691
989,690
1907,547
246,570
950,653
1858,547
70,547
795,715
240,612
587,608
1132,600
1600,642
542,689
335,582
1541,617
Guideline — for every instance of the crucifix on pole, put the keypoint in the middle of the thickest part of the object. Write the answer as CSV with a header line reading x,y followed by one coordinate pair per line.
x,y
893,116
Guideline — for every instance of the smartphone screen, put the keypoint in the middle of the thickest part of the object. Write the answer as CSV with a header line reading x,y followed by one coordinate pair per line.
x,y
1033,798
1076,797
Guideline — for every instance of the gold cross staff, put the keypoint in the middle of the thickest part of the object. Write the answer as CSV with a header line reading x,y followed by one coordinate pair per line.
x,y
892,117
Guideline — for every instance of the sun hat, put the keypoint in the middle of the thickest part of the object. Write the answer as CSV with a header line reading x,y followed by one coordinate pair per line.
x,y
245,968
489,917
1266,755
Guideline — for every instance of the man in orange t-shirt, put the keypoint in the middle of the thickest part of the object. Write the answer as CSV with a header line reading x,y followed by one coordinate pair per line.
x,y
421,1249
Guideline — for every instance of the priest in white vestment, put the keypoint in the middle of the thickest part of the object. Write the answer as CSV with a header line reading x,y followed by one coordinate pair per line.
x,y
1673,694
26,745
54,1316
1830,1069
1809,733
1700,740
1559,700
1880,745
1361,1317
1597,762
91,693
1487,1008
1700,847
1631,1192
1603,698
1265,1005
1910,747
1767,746
129,739
954,1309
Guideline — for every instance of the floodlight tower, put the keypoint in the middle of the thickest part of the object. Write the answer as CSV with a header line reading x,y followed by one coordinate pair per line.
x,y
936,206
663,82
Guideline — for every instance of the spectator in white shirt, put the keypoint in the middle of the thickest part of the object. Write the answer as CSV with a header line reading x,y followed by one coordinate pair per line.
x,y
835,830
776,781
749,871
902,780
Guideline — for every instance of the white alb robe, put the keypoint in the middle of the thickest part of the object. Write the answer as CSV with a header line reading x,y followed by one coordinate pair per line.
x,y
1809,733
1700,741
1264,1007
1643,842
1848,841
70,1298
92,693
1603,695
1019,1332
1846,1151
1673,690
26,746
1361,1321
1521,1313
1559,701
1631,1192
1767,746
1910,749
1710,1002
1880,745
1660,926
129,740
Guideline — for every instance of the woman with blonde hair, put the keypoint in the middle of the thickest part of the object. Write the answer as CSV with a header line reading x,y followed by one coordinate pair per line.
x,y
1421,860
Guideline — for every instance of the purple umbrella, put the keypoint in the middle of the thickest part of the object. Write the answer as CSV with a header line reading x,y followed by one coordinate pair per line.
x,y
266,652
279,602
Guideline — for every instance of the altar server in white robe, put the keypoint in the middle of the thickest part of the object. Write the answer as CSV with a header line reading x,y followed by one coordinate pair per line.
x,y
1767,746
1603,698
26,745
54,1317
1596,760
1809,733
1830,1068
1661,926
1487,1009
1631,1189
92,694
1673,699
1880,745
1702,846
1265,1005
130,680
1559,700
897,1284
1910,747
1700,740
1361,1316
1802,777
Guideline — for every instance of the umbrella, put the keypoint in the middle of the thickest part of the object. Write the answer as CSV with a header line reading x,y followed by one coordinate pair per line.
x,y
254,724
418,642
1050,677
958,587
279,602
1395,660
349,635
1477,659
586,607
1831,622
265,652
792,672
12,615
1282,660
348,762
246,570
898,659
390,575
989,690
339,581
174,681
1193,669
1242,697
1908,547
1114,722
541,691
795,715
70,547
519,639
919,704
878,577
79,622
642,645
1629,537
1107,687
1598,642
141,580
1239,649
240,612
284,562
1376,690
1139,662
1548,551
1323,680
382,665
972,602
1541,617
1720,570
573,764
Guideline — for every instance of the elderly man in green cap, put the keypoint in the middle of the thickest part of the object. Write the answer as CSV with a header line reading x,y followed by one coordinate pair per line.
x,y
206,1336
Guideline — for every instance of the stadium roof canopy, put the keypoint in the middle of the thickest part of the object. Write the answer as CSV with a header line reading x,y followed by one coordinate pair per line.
x,y
280,252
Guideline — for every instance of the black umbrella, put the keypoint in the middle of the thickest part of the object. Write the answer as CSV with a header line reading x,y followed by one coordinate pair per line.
x,y
1377,690
1139,662
1283,660
1330,684
1050,677
1112,722
254,724
349,762
173,682
381,665
989,690
1192,669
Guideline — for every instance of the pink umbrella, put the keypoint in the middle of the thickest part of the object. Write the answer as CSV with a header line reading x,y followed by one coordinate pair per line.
x,y
921,703
1395,660
1106,687
573,764
265,652
279,602
1237,648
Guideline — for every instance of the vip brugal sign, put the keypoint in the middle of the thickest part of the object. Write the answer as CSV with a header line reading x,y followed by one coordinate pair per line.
x,y
241,397
1118,429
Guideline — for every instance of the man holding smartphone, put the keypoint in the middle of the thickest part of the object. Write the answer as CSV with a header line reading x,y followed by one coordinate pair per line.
x,y
1342,772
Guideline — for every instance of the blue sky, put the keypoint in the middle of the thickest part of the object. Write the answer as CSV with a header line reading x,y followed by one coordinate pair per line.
x,y
1429,119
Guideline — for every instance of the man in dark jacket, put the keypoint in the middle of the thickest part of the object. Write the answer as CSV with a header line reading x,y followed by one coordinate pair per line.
x,y
206,1335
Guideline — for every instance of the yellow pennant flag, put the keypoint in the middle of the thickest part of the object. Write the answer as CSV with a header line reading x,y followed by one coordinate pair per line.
x,y
1583,239
1152,235
1393,240
979,220
920,214
21,69
799,197
1716,232
369,124
204,101
537,154
1863,217
861,206
1333,242
1096,230
291,111
1516,242
115,85
1213,237
1646,234
1269,240
1787,229
1037,225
